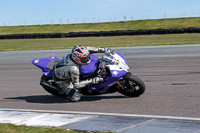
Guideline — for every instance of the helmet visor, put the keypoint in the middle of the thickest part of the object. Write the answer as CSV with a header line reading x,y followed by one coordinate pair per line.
x,y
86,60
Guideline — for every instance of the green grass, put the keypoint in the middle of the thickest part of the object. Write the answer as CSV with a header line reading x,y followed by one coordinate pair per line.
x,y
114,41
127,25
10,128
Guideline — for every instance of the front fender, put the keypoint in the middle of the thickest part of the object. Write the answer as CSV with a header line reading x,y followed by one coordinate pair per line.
x,y
127,75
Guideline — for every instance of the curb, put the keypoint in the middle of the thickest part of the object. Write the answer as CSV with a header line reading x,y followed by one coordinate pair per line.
x,y
94,121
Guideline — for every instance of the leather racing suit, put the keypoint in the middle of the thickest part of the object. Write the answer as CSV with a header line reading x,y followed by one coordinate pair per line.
x,y
67,75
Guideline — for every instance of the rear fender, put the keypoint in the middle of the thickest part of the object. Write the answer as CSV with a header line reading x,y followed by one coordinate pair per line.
x,y
43,64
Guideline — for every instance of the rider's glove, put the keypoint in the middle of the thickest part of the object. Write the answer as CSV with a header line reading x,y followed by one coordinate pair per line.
x,y
101,50
97,80
107,49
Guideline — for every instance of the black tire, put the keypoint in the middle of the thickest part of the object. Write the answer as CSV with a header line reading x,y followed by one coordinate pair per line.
x,y
131,86
56,92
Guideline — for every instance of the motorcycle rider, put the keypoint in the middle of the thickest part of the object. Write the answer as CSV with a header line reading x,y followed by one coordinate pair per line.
x,y
67,71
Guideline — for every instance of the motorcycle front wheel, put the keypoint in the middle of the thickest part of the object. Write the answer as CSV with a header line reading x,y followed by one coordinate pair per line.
x,y
131,86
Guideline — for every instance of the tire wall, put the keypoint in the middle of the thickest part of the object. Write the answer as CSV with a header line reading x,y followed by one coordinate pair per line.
x,y
103,33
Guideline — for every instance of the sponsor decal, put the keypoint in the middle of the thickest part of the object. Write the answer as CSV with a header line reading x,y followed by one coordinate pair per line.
x,y
36,61
117,62
111,84
93,88
115,73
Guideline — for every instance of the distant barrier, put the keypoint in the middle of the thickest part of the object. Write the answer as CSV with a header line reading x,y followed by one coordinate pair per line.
x,y
102,33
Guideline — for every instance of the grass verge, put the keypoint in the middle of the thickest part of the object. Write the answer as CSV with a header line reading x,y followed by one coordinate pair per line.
x,y
10,128
109,26
114,41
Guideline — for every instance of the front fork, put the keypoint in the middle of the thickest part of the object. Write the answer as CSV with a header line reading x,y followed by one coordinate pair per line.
x,y
126,76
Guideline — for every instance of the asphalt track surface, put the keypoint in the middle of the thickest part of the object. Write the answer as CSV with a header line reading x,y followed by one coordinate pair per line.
x,y
171,75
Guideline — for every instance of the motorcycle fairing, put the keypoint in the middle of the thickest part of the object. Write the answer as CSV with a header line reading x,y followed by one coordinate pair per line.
x,y
119,69
105,86
115,73
42,63
116,70
108,81
122,56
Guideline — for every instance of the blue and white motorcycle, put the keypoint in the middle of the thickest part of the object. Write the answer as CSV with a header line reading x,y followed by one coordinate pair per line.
x,y
113,67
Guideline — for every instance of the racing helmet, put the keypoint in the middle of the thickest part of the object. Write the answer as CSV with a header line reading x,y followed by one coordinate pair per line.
x,y
80,55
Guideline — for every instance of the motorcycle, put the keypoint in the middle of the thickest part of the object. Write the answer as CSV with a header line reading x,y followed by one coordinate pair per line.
x,y
112,67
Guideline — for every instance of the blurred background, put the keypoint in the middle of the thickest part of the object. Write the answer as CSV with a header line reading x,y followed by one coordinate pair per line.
x,y
41,12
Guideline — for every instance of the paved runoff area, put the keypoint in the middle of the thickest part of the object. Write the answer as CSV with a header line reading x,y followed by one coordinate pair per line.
x,y
93,121
171,75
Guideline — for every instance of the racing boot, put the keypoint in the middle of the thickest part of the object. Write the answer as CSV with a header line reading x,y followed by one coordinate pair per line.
x,y
69,90
74,95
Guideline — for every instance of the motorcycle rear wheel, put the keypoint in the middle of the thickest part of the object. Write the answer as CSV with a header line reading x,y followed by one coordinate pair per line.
x,y
51,90
131,86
